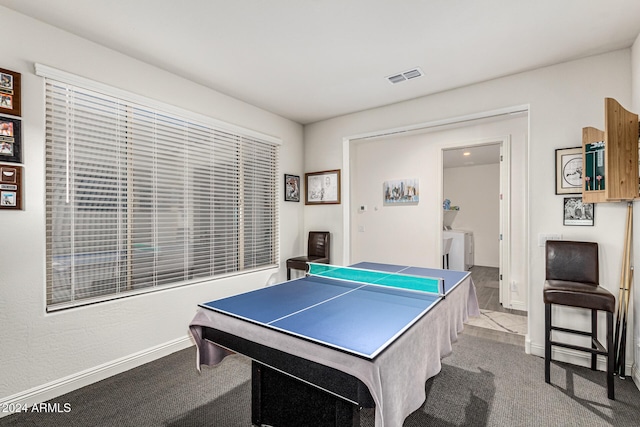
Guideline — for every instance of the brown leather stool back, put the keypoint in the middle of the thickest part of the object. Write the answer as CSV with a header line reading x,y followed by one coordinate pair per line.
x,y
318,245
572,276
318,250
572,261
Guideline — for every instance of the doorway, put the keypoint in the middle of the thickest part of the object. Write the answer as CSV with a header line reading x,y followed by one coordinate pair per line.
x,y
476,187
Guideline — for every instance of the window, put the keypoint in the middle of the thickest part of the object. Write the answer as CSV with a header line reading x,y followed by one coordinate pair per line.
x,y
138,198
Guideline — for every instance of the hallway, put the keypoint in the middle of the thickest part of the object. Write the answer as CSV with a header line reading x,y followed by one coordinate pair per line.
x,y
510,324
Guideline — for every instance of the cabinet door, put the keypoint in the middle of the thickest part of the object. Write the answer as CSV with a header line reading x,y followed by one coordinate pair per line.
x,y
613,163
457,252
469,250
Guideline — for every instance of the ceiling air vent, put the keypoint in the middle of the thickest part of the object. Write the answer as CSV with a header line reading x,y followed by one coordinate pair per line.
x,y
405,75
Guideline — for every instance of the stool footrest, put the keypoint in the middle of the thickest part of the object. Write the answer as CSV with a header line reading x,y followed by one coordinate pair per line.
x,y
570,331
599,350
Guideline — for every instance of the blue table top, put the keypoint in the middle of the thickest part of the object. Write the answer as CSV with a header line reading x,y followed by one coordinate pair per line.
x,y
357,318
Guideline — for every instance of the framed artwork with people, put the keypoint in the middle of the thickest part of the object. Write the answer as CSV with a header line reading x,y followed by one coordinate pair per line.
x,y
322,187
9,92
291,188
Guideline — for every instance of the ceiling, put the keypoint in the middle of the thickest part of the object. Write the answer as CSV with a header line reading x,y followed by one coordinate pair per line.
x,y
309,60
477,155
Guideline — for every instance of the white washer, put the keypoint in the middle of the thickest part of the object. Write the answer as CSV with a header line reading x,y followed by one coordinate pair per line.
x,y
461,253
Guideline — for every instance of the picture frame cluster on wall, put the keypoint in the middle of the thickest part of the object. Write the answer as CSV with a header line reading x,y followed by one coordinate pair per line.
x,y
10,127
569,171
11,192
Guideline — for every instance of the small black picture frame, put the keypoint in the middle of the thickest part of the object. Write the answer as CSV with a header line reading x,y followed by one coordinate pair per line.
x,y
576,212
10,140
291,188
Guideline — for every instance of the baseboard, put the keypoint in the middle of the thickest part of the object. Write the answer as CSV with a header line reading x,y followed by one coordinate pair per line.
x,y
635,375
518,305
81,379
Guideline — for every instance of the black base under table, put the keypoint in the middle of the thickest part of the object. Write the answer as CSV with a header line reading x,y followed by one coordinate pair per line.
x,y
288,390
279,400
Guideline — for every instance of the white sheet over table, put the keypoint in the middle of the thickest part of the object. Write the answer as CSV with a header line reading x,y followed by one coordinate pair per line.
x,y
395,378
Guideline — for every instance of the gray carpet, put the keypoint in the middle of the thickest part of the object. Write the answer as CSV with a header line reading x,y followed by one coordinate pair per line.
x,y
483,383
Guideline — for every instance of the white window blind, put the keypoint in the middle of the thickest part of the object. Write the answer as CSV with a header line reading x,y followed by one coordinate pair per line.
x,y
138,199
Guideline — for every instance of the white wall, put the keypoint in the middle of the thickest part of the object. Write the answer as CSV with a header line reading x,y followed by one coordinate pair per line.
x,y
410,234
407,226
476,189
66,349
562,100
635,107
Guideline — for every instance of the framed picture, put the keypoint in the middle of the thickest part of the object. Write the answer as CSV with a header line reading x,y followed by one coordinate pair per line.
x,y
10,140
9,92
578,213
322,187
10,187
291,188
569,170
401,191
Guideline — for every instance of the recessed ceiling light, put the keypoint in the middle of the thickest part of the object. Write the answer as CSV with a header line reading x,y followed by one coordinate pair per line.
x,y
466,153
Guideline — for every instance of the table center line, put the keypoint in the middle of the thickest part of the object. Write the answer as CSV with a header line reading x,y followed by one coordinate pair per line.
x,y
315,305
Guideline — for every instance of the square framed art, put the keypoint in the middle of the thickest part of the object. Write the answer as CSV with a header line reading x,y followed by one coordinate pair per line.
x,y
569,170
576,212
10,140
9,92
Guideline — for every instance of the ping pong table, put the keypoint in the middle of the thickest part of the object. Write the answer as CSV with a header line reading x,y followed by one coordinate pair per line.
x,y
339,339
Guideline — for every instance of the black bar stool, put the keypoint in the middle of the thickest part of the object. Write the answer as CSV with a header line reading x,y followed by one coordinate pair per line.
x,y
572,279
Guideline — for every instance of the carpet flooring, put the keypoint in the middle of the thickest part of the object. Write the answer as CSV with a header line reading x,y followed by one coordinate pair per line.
x,y
483,383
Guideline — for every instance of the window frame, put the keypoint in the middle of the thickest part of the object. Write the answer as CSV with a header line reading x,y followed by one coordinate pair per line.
x,y
247,140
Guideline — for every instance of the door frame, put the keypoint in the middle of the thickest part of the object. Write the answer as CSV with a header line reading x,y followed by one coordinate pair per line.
x,y
505,223
504,235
